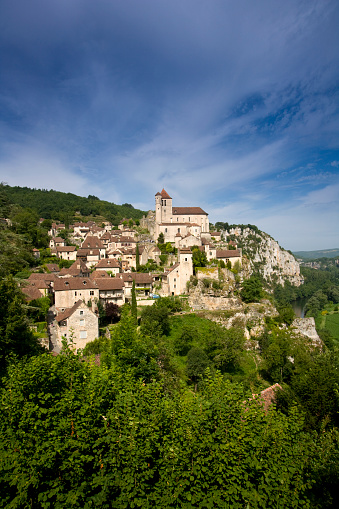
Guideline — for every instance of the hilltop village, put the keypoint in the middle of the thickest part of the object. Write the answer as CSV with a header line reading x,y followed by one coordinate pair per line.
x,y
153,259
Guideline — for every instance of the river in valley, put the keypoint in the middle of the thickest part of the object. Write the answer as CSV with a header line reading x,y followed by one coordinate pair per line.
x,y
299,307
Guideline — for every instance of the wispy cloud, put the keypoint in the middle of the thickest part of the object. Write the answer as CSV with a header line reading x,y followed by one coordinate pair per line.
x,y
232,106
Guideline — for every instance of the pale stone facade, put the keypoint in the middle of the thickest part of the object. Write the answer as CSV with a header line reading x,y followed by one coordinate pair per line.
x,y
69,290
176,278
78,324
171,220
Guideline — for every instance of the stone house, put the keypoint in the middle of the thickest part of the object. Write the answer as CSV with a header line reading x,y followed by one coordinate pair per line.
x,y
111,290
94,243
66,252
77,269
226,255
143,283
56,241
108,265
149,252
77,323
174,281
68,291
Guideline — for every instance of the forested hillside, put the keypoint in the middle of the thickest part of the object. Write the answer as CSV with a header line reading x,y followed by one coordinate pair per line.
x,y
64,206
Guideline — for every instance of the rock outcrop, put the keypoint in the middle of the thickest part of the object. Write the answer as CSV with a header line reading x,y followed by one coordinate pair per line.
x,y
266,256
306,327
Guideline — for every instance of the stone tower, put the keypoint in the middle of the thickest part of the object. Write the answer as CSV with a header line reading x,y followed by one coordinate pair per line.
x,y
163,209
185,260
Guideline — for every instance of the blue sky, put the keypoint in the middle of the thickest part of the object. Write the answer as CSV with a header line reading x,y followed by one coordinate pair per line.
x,y
231,105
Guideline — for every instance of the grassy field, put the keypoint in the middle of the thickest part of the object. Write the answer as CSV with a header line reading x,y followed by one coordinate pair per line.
x,y
332,324
329,319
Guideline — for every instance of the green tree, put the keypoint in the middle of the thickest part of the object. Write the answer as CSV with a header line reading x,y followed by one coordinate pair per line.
x,y
155,321
252,289
199,257
134,311
16,337
197,362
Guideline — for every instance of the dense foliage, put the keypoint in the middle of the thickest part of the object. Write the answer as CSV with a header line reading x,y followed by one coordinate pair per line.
x,y
74,434
64,206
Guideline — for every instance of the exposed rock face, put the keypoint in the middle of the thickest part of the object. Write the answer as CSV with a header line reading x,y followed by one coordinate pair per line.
x,y
306,327
266,256
199,301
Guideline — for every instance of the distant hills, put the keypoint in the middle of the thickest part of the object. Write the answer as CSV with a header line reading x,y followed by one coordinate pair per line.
x,y
313,255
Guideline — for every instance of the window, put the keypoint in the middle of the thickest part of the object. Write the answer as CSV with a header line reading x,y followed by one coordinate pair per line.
x,y
189,219
82,322
165,230
178,230
175,279
75,294
81,312
83,334
175,286
91,292
185,259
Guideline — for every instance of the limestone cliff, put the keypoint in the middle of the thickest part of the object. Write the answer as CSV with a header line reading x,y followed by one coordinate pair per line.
x,y
266,256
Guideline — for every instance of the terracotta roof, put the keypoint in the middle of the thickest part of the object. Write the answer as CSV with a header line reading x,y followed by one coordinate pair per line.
x,y
78,267
158,194
227,253
31,292
139,277
42,276
64,249
188,210
53,267
107,263
173,267
68,312
92,242
109,283
269,396
185,250
165,195
96,274
88,252
74,283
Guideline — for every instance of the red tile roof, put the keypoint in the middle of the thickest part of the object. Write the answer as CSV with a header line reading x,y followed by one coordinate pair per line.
x,y
74,283
139,277
109,283
227,253
165,195
189,210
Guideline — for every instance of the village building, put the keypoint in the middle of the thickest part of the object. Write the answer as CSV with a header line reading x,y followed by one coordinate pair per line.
x,y
78,324
143,283
68,291
94,243
174,280
171,220
56,241
77,269
65,252
111,290
108,265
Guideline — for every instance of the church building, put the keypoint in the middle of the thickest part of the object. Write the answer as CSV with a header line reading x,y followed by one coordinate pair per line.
x,y
179,222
